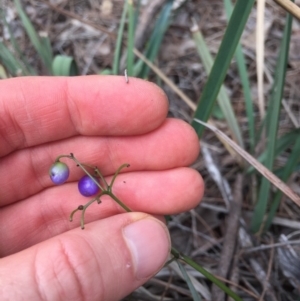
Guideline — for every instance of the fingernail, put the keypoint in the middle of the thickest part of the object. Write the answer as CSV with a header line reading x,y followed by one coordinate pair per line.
x,y
149,244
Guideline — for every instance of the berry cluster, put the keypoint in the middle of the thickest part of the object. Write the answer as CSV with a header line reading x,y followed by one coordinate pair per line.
x,y
89,185
59,174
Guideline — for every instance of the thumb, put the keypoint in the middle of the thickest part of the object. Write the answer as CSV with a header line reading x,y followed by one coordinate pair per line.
x,y
106,261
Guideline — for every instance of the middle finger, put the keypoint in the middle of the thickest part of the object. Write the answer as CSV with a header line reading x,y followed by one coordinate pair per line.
x,y
25,172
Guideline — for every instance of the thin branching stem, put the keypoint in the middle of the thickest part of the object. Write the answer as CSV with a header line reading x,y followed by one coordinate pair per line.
x,y
74,211
98,173
176,254
117,173
97,198
205,273
82,166
118,201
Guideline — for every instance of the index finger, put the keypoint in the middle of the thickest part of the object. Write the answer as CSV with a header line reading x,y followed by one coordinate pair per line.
x,y
35,110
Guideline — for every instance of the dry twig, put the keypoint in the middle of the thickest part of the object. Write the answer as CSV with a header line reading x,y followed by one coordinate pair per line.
x,y
230,237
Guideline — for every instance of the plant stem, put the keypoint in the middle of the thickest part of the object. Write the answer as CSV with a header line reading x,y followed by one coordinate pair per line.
x,y
205,273
190,262
177,255
82,167
116,174
118,201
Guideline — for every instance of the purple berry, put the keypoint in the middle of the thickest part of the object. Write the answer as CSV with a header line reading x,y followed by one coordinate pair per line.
x,y
59,173
87,187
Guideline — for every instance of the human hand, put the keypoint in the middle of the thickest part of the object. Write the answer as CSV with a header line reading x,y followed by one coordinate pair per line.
x,y
105,122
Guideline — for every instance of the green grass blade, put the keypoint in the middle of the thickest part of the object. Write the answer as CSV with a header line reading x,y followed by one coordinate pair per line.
x,y
26,69
241,64
28,26
117,54
272,125
157,35
46,47
287,171
137,14
223,99
13,65
280,171
206,274
64,66
138,66
195,295
34,37
3,73
106,72
130,38
226,51
282,144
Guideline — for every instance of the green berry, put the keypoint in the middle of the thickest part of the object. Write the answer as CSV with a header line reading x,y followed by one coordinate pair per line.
x,y
59,173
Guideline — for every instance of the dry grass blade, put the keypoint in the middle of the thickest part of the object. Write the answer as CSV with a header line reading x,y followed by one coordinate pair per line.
x,y
272,125
230,239
260,168
186,99
182,95
76,17
260,51
289,259
289,6
216,175
200,288
290,113
268,274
